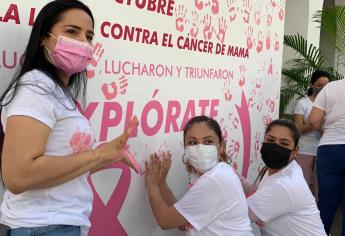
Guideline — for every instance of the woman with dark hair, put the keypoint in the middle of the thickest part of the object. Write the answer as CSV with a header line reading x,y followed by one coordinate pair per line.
x,y
215,204
328,113
47,152
283,204
309,141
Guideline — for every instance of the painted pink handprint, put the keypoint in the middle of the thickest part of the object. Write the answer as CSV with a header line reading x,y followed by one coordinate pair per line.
x,y
232,9
267,119
98,52
257,145
271,105
274,3
269,15
268,40
199,4
180,14
249,34
234,149
242,79
270,67
207,27
281,13
195,27
276,44
259,106
111,90
80,141
246,11
222,27
251,102
215,7
260,44
257,13
227,90
224,129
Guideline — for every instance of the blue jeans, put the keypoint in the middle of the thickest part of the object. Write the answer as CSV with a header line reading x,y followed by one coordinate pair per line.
x,y
331,178
50,230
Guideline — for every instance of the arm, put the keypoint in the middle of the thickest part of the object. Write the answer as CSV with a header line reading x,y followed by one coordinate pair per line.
x,y
299,121
316,118
167,216
248,188
166,192
25,166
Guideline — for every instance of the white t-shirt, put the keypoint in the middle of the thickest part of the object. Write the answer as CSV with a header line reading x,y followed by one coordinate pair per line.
x,y
216,205
309,141
284,202
331,100
69,203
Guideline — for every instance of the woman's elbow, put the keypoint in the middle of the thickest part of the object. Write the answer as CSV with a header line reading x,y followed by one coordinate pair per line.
x,y
15,184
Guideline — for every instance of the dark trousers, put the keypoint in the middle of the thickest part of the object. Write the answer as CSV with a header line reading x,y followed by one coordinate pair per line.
x,y
331,179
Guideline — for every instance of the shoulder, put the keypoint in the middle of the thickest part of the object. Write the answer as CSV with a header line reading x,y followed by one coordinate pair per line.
x,y
37,78
223,174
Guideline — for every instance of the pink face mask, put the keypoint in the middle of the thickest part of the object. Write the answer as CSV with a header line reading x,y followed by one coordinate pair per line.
x,y
71,56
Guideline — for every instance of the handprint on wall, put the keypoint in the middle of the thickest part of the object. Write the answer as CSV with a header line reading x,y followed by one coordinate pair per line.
x,y
260,43
257,13
227,90
98,52
232,9
111,90
222,27
195,27
208,28
249,35
180,14
246,9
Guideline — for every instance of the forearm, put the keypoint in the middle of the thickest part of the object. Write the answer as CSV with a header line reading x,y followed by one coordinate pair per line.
x,y
48,171
167,195
248,187
158,205
305,128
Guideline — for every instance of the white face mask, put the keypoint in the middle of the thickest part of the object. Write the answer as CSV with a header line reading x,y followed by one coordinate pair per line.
x,y
202,157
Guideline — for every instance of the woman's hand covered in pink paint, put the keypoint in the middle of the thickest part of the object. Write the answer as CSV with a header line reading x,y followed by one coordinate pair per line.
x,y
153,171
114,150
165,166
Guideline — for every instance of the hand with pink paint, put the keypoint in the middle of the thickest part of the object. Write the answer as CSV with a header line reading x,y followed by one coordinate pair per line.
x,y
153,172
115,150
165,167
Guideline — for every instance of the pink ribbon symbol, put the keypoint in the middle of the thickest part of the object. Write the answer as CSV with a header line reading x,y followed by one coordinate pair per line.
x,y
243,113
104,217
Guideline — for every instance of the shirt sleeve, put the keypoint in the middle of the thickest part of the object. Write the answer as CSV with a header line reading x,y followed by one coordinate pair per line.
x,y
299,109
32,101
321,99
202,204
270,202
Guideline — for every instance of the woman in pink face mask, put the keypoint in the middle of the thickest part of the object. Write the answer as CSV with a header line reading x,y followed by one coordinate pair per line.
x,y
48,150
215,204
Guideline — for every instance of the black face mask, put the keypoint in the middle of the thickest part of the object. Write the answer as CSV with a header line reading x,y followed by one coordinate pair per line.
x,y
274,155
316,91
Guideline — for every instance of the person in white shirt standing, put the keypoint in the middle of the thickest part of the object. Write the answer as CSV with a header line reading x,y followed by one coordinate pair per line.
x,y
48,150
283,204
215,204
329,113
309,141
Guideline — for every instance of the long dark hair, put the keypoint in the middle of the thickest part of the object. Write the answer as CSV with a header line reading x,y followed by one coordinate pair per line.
x,y
212,124
34,57
314,77
295,134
